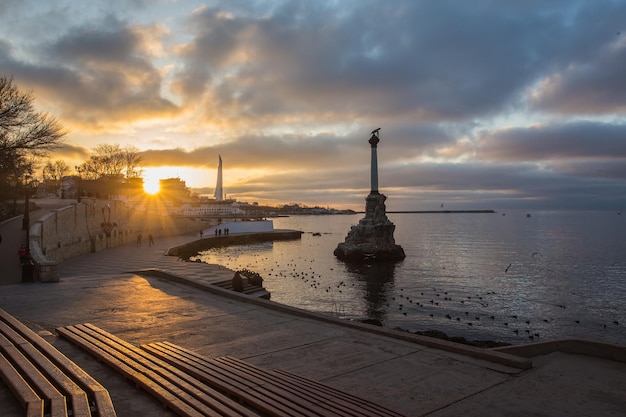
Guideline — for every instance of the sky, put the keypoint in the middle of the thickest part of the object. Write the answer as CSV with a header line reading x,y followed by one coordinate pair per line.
x,y
482,104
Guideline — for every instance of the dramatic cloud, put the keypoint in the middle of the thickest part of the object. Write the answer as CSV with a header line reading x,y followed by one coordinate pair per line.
x,y
482,104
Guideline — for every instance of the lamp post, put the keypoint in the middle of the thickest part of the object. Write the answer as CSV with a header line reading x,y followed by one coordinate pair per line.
x,y
78,183
26,219
27,264
14,189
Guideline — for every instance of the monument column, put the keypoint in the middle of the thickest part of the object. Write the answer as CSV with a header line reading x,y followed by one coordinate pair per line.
x,y
372,239
374,165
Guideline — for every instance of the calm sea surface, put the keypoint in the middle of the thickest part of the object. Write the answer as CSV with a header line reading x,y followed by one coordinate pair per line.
x,y
502,276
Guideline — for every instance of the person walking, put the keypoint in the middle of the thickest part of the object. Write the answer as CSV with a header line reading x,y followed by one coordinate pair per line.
x,y
150,239
21,252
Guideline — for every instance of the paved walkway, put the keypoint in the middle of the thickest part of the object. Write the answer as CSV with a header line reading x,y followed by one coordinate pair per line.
x,y
384,366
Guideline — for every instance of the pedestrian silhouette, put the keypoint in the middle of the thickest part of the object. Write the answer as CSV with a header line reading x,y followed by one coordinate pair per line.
x,y
21,252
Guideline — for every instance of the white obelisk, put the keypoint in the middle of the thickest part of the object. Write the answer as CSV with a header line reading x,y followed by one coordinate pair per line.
x,y
219,190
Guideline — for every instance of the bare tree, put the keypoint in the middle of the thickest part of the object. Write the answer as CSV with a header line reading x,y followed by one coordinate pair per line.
x,y
55,171
21,127
25,134
133,161
112,161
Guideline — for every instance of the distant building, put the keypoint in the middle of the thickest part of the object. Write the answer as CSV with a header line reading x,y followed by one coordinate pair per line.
x,y
209,209
174,190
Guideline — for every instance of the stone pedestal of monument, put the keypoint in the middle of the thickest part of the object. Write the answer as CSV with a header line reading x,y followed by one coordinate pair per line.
x,y
372,239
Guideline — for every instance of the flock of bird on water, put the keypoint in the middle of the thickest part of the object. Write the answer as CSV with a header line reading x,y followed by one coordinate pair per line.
x,y
427,302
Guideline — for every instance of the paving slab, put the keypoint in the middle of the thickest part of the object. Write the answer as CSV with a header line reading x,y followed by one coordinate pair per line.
x,y
559,385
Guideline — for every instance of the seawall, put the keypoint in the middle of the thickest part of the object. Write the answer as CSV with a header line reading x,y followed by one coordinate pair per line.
x,y
92,226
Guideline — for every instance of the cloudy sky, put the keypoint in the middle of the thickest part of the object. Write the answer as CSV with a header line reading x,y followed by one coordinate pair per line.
x,y
483,104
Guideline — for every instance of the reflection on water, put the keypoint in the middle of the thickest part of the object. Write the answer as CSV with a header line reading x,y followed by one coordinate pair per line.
x,y
377,283
481,276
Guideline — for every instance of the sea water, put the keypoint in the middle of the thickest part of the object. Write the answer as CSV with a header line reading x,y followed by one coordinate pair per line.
x,y
509,276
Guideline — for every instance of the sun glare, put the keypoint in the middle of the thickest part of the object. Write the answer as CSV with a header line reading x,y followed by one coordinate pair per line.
x,y
151,186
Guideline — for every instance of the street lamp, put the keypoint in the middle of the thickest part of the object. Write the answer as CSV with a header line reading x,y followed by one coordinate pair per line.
x,y
78,183
27,264
27,192
14,189
26,219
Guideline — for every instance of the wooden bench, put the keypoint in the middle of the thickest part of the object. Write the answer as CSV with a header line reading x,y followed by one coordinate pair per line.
x,y
276,393
177,390
44,380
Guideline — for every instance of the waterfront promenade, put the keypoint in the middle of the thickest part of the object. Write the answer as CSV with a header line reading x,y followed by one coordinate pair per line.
x,y
403,373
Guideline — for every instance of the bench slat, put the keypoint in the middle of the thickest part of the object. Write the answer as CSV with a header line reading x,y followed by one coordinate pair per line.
x,y
295,389
297,379
267,379
324,394
116,361
260,382
209,396
95,393
78,399
79,404
20,388
267,402
296,393
54,401
176,390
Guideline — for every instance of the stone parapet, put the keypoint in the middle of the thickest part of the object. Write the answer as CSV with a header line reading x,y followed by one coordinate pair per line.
x,y
92,226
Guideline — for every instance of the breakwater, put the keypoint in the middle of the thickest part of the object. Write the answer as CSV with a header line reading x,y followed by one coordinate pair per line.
x,y
442,212
190,249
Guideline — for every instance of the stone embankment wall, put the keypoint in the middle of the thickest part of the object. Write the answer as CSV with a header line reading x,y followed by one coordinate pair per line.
x,y
81,228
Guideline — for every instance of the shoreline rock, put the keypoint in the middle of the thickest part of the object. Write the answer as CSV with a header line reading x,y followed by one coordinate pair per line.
x,y
437,334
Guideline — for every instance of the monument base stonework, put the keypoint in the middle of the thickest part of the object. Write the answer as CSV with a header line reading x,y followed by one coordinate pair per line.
x,y
372,239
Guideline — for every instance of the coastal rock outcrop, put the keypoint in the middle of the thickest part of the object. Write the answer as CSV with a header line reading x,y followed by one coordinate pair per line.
x,y
372,239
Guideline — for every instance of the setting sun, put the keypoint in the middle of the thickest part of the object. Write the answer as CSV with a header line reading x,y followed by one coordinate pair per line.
x,y
151,186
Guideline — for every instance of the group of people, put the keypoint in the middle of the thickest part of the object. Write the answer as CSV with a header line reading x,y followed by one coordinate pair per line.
x,y
218,232
140,238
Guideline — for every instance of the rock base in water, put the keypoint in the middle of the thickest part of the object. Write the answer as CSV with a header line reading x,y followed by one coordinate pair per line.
x,y
372,239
